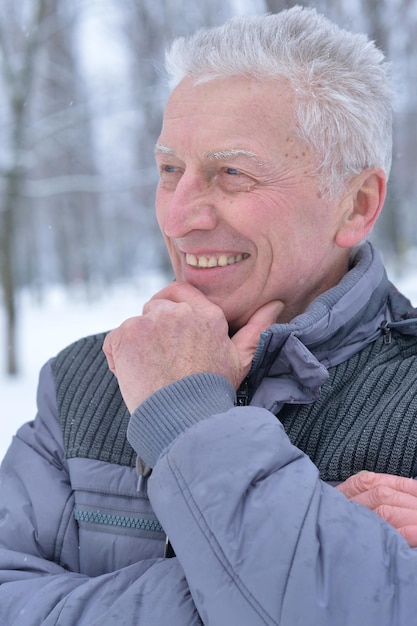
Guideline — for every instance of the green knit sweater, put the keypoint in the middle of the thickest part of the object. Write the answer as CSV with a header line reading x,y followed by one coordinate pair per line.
x,y
365,417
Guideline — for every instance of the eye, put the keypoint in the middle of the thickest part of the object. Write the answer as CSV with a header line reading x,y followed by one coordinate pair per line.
x,y
169,175
235,180
168,169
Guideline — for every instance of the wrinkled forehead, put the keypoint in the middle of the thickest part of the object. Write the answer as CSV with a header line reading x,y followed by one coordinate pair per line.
x,y
237,116
238,94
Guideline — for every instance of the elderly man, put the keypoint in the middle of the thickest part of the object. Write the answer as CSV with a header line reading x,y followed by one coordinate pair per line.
x,y
281,362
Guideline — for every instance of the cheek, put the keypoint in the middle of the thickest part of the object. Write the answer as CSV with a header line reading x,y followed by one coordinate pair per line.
x,y
159,210
174,256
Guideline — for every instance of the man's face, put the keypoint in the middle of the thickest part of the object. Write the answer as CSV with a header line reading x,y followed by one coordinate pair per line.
x,y
240,210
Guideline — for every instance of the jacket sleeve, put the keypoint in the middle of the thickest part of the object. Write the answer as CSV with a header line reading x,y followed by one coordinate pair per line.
x,y
261,539
39,585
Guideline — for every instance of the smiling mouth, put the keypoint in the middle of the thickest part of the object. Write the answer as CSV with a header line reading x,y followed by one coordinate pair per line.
x,y
208,262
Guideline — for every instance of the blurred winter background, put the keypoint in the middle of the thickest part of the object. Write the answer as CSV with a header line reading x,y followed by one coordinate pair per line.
x,y
81,99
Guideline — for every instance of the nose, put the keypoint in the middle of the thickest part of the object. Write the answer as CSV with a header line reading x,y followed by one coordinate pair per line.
x,y
191,206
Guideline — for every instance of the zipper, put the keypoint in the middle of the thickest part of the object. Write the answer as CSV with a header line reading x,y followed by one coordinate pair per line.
x,y
386,332
119,521
242,395
143,472
169,552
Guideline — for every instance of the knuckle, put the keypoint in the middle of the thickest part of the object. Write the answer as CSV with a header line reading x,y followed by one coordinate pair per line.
x,y
386,512
382,493
409,533
128,326
366,480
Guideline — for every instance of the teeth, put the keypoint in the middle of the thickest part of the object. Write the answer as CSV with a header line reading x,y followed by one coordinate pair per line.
x,y
213,261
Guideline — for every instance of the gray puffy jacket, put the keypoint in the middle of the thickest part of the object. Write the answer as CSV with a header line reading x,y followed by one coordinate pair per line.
x,y
259,538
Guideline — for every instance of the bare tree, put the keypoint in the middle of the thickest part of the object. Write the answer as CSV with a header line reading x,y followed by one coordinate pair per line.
x,y
18,70
67,216
383,20
41,145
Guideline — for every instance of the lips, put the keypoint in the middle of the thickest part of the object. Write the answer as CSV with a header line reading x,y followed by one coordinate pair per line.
x,y
208,262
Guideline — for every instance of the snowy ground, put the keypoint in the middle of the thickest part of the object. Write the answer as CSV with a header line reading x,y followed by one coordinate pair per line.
x,y
62,318
47,328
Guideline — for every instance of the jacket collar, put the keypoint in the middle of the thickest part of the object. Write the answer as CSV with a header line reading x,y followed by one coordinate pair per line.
x,y
291,361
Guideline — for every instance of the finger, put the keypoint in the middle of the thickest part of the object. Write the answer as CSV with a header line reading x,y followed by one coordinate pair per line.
x,y
179,291
397,516
410,534
247,338
366,481
108,351
403,520
385,496
160,305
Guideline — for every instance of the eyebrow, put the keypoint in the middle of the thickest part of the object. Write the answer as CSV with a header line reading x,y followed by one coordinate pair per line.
x,y
220,155
161,149
215,155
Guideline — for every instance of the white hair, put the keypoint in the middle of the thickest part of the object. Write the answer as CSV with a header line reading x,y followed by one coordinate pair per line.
x,y
343,98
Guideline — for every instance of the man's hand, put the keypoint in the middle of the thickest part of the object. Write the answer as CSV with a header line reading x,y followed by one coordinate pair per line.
x,y
181,333
392,497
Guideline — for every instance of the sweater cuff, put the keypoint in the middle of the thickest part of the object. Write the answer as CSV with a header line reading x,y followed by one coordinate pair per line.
x,y
171,410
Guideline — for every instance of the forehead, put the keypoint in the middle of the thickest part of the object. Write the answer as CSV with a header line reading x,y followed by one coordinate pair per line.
x,y
235,117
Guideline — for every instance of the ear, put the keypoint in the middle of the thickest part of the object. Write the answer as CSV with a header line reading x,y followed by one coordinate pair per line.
x,y
361,206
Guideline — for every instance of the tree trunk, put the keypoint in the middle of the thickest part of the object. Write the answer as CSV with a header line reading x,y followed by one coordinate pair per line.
x,y
7,271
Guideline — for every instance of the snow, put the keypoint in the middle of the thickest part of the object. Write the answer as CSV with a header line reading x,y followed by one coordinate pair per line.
x,y
46,328
63,317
